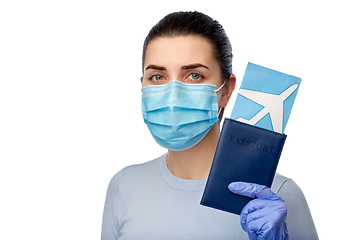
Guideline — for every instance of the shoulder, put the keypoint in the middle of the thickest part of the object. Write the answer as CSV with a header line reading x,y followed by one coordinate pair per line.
x,y
137,172
287,189
278,182
283,186
299,220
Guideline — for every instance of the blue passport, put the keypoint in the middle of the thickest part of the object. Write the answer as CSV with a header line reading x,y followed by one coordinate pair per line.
x,y
251,141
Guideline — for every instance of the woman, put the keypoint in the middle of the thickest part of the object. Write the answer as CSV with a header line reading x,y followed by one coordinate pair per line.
x,y
187,82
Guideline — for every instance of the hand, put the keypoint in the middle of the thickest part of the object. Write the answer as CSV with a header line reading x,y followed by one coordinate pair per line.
x,y
263,217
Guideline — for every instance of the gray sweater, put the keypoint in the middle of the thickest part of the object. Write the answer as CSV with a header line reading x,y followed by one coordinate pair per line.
x,y
146,201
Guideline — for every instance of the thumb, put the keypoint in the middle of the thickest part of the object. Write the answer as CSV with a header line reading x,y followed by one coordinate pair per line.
x,y
252,190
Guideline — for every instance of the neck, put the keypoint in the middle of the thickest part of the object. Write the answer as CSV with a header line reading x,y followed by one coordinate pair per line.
x,y
195,163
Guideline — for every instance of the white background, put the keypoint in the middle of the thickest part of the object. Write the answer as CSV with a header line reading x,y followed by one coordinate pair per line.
x,y
70,114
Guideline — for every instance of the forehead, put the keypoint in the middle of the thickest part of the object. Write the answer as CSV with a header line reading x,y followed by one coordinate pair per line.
x,y
179,50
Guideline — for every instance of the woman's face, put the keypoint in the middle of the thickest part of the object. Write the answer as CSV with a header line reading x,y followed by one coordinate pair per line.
x,y
188,59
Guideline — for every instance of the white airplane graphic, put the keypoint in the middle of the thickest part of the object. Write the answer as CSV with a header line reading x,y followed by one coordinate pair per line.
x,y
272,104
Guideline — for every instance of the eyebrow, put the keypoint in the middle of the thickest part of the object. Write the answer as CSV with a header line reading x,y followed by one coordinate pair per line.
x,y
192,66
185,67
152,66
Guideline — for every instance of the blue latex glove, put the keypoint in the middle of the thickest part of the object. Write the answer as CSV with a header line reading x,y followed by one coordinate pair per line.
x,y
263,217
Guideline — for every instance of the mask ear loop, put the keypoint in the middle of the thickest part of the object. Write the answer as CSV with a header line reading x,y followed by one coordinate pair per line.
x,y
220,87
221,110
220,113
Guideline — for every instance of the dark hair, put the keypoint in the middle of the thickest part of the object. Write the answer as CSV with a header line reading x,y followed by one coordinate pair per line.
x,y
195,23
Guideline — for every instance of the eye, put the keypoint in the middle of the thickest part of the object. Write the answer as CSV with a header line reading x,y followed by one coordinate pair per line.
x,y
156,77
195,76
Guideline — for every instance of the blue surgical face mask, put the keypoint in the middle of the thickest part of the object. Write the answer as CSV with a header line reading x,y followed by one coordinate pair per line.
x,y
179,115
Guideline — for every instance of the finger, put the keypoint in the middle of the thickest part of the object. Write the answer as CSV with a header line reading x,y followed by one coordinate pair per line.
x,y
263,222
251,212
262,228
262,207
250,189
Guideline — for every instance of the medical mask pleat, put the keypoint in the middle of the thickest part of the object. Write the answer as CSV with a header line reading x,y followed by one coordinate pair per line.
x,y
182,140
179,115
182,131
174,94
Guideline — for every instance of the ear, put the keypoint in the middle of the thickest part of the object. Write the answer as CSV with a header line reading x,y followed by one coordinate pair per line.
x,y
141,79
228,90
